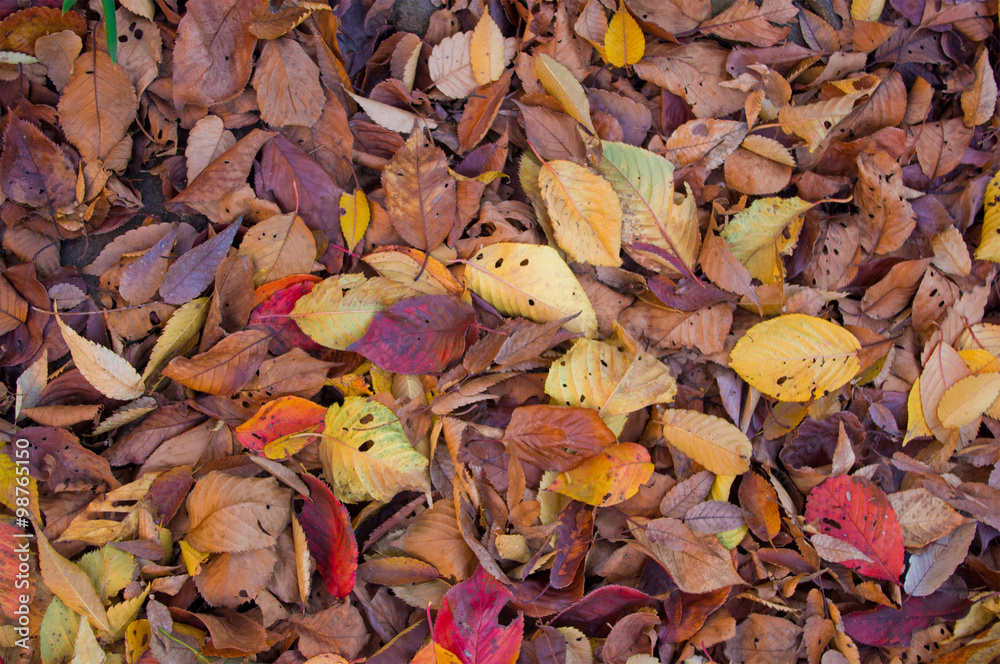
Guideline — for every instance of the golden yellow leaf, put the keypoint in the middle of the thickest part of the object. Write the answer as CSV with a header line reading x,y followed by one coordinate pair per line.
x,y
989,243
366,454
796,357
108,372
192,557
979,100
181,330
968,399
415,269
585,213
613,377
136,640
280,246
486,51
533,282
355,214
561,84
764,232
608,478
710,441
916,425
624,43
943,368
867,10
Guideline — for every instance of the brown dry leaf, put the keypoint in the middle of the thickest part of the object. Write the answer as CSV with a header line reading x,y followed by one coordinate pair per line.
x,y
207,141
234,514
744,21
923,516
436,538
480,112
886,217
34,171
97,106
58,52
695,73
213,56
279,247
709,140
287,85
224,369
420,193
696,562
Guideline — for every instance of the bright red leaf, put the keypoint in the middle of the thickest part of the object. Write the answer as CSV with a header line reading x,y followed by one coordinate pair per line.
x,y
328,530
468,626
857,512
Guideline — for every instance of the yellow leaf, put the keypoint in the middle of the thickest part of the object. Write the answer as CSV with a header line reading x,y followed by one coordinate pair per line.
x,y
979,100
796,357
710,441
624,42
180,331
335,318
989,243
614,377
644,184
366,454
71,584
533,282
12,487
867,10
486,51
137,638
764,232
916,425
943,368
609,478
279,246
193,558
561,84
585,213
578,649
109,373
968,399
354,217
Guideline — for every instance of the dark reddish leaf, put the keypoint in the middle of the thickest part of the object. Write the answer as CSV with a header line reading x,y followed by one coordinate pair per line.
x,y
686,612
33,170
857,512
423,334
468,625
168,492
574,533
272,314
603,606
557,437
328,530
889,626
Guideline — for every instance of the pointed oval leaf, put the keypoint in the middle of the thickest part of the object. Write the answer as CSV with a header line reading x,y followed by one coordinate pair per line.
x,y
420,335
855,511
487,51
366,454
280,246
195,270
276,419
796,357
624,42
468,622
354,217
533,282
967,399
989,244
108,372
327,527
556,437
559,82
224,369
711,441
585,212
420,193
765,231
97,106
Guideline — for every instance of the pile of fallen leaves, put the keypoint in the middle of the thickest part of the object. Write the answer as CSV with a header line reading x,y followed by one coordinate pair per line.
x,y
561,332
